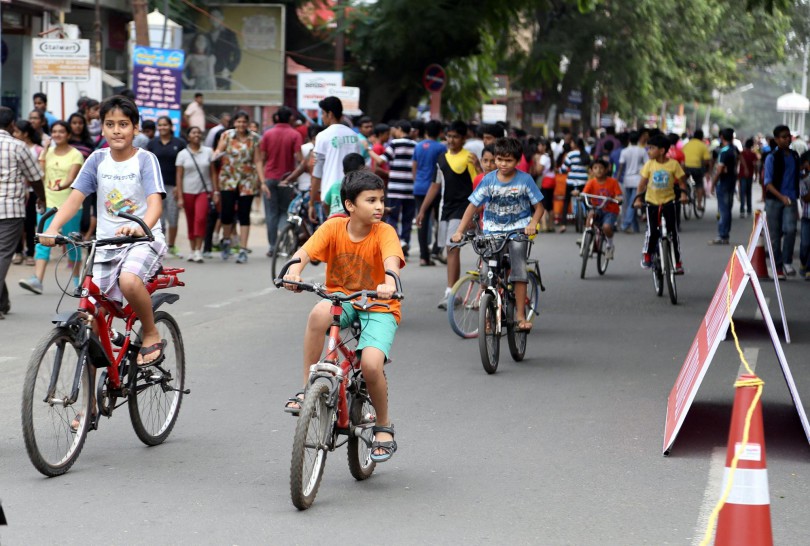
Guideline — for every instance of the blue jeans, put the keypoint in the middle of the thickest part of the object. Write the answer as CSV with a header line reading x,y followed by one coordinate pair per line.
x,y
782,227
804,247
745,195
275,209
725,200
406,209
629,216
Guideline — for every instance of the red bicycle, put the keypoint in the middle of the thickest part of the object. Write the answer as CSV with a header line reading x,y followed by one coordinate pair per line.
x,y
336,401
58,408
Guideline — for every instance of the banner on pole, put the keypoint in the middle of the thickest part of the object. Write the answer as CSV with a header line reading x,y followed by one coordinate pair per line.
x,y
157,79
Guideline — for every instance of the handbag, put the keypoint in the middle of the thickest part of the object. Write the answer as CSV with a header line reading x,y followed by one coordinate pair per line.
x,y
212,207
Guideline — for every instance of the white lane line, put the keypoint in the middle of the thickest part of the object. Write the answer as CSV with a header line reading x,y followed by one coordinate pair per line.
x,y
7,359
758,314
243,297
711,495
751,354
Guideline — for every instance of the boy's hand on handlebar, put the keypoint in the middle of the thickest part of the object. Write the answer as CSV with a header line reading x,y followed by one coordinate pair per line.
x,y
457,236
48,238
130,231
637,203
531,229
385,291
294,278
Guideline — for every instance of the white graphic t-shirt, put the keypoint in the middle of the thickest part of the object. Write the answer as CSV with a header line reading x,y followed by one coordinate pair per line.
x,y
333,144
120,186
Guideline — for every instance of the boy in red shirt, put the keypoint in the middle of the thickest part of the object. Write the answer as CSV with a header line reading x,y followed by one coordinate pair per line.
x,y
602,184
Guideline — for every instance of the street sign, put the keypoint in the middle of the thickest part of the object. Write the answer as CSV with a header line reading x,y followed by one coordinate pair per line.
x,y
434,78
61,60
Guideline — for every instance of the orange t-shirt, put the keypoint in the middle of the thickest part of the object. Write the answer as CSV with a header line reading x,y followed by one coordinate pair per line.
x,y
350,266
609,188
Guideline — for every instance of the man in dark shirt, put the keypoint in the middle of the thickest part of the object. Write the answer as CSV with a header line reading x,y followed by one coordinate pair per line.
x,y
724,181
281,153
781,183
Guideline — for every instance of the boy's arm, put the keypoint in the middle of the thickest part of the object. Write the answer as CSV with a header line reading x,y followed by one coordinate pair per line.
x,y
465,221
154,210
67,211
294,272
386,290
433,190
539,210
642,187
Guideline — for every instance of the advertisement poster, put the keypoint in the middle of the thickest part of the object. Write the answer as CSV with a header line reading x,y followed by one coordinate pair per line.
x,y
235,55
61,60
157,82
313,87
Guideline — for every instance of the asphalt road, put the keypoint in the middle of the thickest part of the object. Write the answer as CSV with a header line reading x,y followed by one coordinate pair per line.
x,y
562,448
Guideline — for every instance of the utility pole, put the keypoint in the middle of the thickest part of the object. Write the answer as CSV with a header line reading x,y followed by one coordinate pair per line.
x,y
139,8
340,43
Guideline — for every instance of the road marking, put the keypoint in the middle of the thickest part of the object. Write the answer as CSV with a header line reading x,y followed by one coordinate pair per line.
x,y
758,314
243,297
711,495
7,359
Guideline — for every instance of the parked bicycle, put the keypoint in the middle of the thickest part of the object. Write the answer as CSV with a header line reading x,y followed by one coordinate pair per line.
x,y
298,230
61,402
336,401
692,206
593,242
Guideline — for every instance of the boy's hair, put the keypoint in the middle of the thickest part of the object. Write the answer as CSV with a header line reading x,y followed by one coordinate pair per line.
x,y
749,143
507,146
433,128
284,114
148,124
780,129
659,141
403,125
601,161
381,128
698,134
459,127
363,120
608,146
492,129
356,182
727,134
120,102
353,162
197,95
419,126
488,148
7,117
333,105
634,136
41,96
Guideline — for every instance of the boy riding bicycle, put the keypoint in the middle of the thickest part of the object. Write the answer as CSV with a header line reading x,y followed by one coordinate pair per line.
x,y
357,251
661,174
607,186
126,179
513,203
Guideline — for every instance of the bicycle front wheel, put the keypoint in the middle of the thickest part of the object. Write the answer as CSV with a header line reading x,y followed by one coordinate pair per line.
x,y
362,416
286,245
156,392
699,208
310,445
687,208
462,307
658,276
669,271
48,412
488,339
601,259
515,338
579,217
532,296
587,239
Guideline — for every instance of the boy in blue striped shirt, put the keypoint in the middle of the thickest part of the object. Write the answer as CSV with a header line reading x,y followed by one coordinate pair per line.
x,y
512,203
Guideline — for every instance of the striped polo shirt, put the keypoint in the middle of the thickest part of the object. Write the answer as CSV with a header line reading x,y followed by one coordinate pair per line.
x,y
576,169
400,158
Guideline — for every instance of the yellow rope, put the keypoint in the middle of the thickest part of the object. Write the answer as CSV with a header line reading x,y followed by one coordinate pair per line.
x,y
753,382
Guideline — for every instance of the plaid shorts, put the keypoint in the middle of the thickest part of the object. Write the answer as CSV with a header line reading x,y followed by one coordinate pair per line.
x,y
141,259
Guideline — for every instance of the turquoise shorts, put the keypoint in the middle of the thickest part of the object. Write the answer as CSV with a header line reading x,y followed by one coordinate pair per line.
x,y
376,329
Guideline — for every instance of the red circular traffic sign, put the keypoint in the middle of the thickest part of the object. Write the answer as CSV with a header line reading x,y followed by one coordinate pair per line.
x,y
434,78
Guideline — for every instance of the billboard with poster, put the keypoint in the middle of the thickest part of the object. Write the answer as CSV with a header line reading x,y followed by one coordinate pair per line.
x,y
235,55
156,82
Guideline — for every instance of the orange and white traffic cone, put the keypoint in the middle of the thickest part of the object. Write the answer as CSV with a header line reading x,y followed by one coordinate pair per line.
x,y
758,259
745,519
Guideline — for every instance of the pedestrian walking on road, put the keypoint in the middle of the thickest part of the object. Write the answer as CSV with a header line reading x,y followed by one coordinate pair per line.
x,y
197,183
16,166
724,181
25,248
781,179
166,146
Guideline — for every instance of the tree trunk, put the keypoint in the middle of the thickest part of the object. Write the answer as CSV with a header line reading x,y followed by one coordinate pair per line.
x,y
139,8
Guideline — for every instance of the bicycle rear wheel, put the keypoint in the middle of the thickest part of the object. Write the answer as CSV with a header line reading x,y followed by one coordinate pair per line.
x,y
601,260
687,207
47,414
579,217
699,209
669,271
532,296
462,308
310,445
286,245
585,251
362,415
488,339
515,338
156,392
657,275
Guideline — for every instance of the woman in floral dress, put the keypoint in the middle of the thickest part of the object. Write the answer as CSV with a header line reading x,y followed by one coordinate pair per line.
x,y
240,180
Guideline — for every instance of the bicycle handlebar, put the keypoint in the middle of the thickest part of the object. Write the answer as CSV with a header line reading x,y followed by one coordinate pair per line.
x,y
605,200
121,240
337,297
485,243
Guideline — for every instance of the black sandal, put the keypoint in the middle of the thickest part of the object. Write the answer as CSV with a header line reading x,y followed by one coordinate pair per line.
x,y
388,448
297,399
154,348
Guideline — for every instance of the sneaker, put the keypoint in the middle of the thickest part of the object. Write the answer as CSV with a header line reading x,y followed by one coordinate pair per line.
x,y
225,245
679,268
192,256
802,271
269,253
207,255
789,271
175,252
646,261
405,248
242,258
718,241
32,284
609,253
780,274
29,260
17,259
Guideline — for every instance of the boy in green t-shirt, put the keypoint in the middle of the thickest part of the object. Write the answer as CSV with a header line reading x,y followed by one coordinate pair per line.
x,y
332,204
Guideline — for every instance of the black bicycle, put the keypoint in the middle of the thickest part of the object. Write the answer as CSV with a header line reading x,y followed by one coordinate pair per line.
x,y
663,261
593,242
298,230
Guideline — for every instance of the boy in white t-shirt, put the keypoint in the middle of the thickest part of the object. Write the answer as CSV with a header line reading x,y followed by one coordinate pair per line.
x,y
126,179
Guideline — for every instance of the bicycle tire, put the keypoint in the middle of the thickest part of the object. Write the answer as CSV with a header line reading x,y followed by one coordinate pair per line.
x,y
669,271
585,250
361,413
515,338
488,343
463,316
658,276
579,217
311,432
699,209
687,208
156,392
51,444
601,259
286,245
532,296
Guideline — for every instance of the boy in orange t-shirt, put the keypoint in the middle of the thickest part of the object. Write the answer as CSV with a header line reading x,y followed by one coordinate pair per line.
x,y
357,251
606,186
